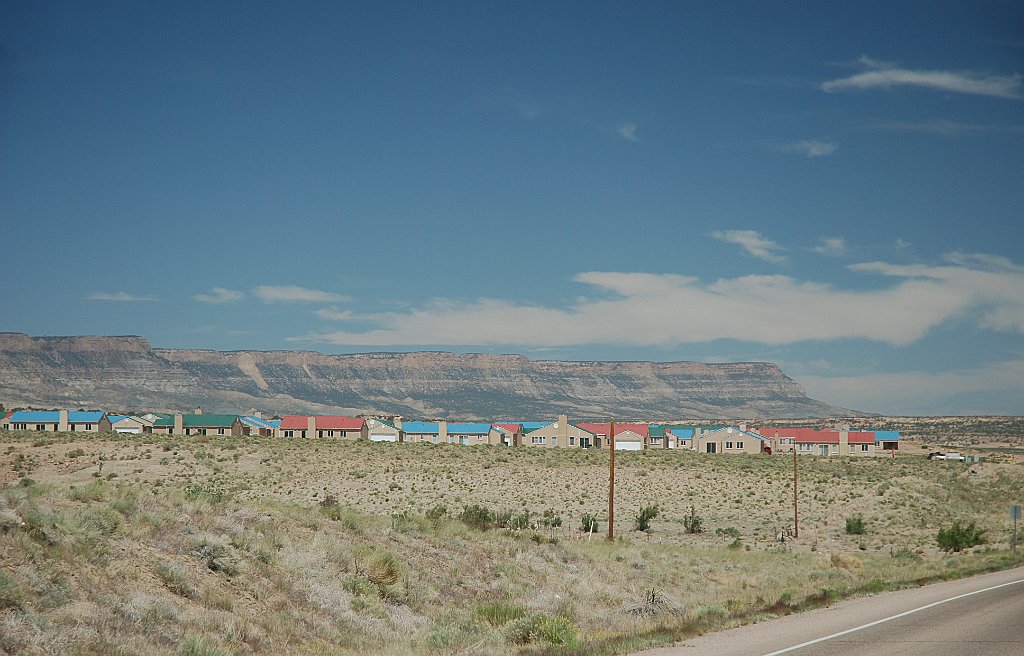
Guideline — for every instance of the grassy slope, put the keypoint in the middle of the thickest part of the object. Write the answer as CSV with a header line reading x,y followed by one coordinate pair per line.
x,y
155,546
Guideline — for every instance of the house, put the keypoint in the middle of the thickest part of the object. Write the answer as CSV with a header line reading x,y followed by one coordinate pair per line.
x,y
200,424
510,433
424,431
127,424
385,430
61,421
558,434
323,426
628,437
841,441
472,434
730,439
260,426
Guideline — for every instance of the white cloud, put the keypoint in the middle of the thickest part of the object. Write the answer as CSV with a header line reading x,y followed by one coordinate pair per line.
x,y
220,295
120,297
666,309
752,242
334,314
834,246
989,389
811,148
949,128
628,132
295,294
885,76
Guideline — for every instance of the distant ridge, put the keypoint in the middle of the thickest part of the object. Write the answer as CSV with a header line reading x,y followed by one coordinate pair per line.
x,y
127,373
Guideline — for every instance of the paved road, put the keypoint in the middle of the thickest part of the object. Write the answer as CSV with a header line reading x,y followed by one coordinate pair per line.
x,y
969,617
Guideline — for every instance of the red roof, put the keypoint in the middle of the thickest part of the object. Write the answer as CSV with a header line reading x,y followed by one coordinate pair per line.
x,y
604,429
338,422
812,436
294,422
512,428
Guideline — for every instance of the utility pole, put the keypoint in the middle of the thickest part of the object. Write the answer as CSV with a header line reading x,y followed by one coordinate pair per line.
x,y
796,517
611,482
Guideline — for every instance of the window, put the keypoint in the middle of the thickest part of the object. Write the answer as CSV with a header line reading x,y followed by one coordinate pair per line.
x,y
289,433
220,431
805,447
739,445
20,426
40,427
835,448
538,439
554,441
863,447
728,445
88,427
342,434
72,427
202,431
479,438
853,448
655,440
572,441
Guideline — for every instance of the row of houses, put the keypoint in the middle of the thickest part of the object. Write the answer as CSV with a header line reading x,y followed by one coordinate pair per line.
x,y
561,433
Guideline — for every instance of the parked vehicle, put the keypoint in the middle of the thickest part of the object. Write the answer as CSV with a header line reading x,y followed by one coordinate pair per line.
x,y
952,455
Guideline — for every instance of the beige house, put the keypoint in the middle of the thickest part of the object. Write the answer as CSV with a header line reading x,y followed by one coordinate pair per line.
x,y
730,439
385,430
200,424
628,437
57,421
559,434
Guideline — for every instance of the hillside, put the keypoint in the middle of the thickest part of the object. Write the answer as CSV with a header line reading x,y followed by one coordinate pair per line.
x,y
127,373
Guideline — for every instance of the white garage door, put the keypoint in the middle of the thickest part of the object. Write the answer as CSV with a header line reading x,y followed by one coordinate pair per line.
x,y
383,437
628,446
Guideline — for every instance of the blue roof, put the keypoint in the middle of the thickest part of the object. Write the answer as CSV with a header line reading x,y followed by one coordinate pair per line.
x,y
257,422
529,426
887,436
116,418
469,429
419,427
682,433
53,417
37,416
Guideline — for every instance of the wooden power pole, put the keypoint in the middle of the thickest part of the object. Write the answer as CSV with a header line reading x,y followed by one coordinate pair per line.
x,y
611,481
796,517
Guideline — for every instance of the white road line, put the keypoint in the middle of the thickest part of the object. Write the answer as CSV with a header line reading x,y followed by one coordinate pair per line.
x,y
887,619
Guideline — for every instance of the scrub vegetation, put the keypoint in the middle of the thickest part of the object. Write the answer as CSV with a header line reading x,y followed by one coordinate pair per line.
x,y
157,545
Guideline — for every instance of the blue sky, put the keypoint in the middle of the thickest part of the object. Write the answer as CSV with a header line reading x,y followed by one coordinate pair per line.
x,y
835,187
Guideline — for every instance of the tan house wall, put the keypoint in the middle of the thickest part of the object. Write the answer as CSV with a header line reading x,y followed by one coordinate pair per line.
x,y
560,434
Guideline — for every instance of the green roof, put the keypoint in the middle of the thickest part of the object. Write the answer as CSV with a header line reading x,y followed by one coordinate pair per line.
x,y
198,421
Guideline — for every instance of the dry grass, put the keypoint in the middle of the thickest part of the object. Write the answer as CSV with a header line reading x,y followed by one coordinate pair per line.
x,y
227,546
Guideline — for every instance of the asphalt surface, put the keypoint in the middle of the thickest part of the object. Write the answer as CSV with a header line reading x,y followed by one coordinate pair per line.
x,y
969,617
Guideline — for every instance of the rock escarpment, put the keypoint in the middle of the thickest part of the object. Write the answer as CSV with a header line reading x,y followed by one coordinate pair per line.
x,y
126,373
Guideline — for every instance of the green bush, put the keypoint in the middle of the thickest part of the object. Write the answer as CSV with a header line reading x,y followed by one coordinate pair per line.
x,y
477,516
692,523
855,525
499,613
642,520
959,537
543,629
589,523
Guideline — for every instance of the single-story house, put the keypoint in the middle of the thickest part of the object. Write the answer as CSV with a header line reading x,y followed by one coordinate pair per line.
x,y
127,424
323,426
423,431
469,434
200,424
731,439
385,430
259,426
562,434
628,437
840,441
509,433
58,421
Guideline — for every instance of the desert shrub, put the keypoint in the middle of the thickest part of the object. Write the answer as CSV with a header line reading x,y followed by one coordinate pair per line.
x,y
589,523
477,516
199,645
9,520
95,491
545,629
735,544
518,522
550,519
499,613
11,595
437,513
76,453
959,537
692,523
329,501
731,532
642,520
855,525
175,580
384,569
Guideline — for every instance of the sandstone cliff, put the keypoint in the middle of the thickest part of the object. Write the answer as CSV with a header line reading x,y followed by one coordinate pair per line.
x,y
126,373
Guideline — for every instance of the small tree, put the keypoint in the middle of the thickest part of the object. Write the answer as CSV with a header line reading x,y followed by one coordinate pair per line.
x,y
692,522
959,537
855,525
478,517
642,521
589,523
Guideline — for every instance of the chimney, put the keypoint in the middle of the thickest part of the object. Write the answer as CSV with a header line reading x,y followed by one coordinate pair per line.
x,y
311,426
62,422
563,430
844,439
257,414
743,427
442,431
397,421
179,425
198,411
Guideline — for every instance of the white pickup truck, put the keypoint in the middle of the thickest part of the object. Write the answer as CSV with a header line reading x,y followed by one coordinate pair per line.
x,y
952,455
